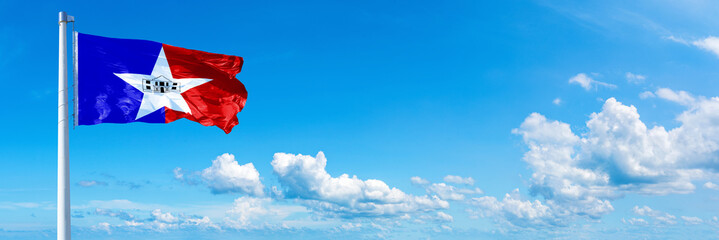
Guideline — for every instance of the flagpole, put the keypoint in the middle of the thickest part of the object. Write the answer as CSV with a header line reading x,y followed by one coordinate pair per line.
x,y
63,156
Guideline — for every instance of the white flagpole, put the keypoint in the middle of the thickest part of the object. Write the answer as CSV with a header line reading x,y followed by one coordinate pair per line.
x,y
63,156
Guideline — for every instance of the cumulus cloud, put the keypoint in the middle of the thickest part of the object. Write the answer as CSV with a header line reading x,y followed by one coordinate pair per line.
x,y
259,212
103,226
202,223
515,211
445,191
580,174
181,222
245,213
305,178
710,44
557,101
166,217
158,221
245,209
556,174
458,180
619,152
588,83
448,192
444,217
660,216
227,176
711,185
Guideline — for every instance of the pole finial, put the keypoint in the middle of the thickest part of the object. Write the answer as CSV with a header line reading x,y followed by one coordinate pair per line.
x,y
63,17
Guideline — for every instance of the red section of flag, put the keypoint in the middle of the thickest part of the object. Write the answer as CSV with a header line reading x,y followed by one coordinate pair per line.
x,y
216,102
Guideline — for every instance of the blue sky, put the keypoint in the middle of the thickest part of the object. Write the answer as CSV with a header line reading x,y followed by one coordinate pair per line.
x,y
451,120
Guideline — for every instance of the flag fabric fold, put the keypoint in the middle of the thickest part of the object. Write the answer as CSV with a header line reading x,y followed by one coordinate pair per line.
x,y
124,80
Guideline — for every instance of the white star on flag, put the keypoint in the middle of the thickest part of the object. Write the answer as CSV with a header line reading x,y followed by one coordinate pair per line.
x,y
152,101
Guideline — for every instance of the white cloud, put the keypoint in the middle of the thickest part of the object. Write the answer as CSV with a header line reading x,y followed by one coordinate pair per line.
x,y
680,97
660,216
459,180
179,174
203,223
633,157
350,226
117,204
444,217
448,192
445,191
643,211
91,183
245,209
190,178
133,223
692,220
635,221
227,176
714,221
710,44
158,220
114,213
446,228
26,204
18,205
418,180
646,94
167,217
260,212
557,101
618,154
306,179
515,211
635,78
669,219
438,216
103,226
711,185
677,40
588,83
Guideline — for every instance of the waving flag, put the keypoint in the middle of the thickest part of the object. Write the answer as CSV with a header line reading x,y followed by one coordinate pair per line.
x,y
123,81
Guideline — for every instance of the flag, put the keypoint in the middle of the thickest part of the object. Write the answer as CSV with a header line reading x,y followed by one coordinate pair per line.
x,y
124,80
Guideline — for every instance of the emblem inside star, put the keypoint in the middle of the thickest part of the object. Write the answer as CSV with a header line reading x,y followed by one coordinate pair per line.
x,y
160,97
